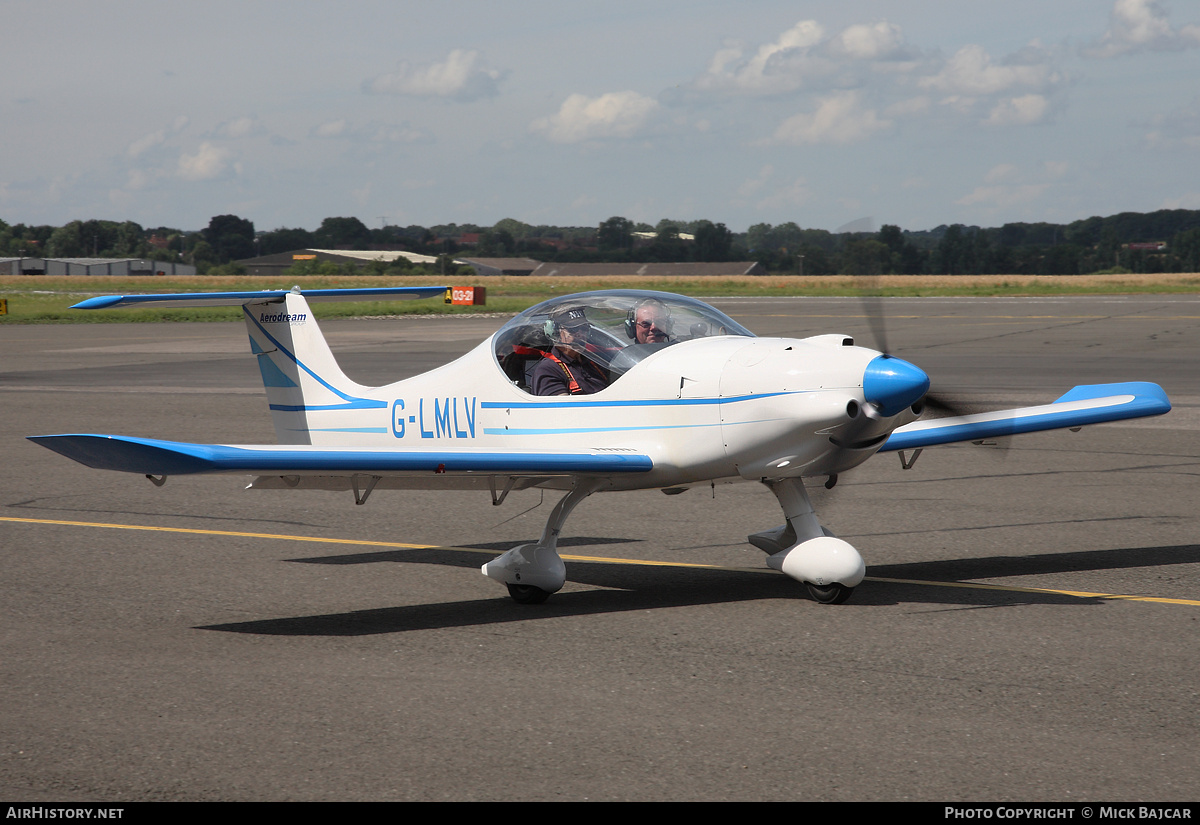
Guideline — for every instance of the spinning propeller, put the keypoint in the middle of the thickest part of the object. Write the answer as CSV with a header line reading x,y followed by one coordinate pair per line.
x,y
890,384
872,304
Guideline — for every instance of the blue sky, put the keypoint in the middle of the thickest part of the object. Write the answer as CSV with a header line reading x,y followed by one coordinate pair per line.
x,y
918,113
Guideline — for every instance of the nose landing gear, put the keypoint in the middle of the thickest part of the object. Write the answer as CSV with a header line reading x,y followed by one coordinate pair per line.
x,y
828,567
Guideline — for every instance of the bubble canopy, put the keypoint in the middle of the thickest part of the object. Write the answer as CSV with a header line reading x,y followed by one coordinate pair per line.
x,y
613,330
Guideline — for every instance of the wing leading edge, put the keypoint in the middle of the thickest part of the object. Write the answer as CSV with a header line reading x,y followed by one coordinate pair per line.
x,y
148,456
216,299
1083,405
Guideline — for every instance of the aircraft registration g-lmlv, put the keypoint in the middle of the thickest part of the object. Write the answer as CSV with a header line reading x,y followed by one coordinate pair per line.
x,y
588,393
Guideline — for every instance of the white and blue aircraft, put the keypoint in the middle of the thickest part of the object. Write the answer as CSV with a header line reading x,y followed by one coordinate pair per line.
x,y
659,391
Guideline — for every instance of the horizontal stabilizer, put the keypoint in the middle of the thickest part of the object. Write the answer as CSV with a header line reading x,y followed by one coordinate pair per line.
x,y
1088,404
153,457
223,299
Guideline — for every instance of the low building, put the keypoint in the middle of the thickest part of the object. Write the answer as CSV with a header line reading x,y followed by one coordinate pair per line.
x,y
491,267
726,269
277,263
22,266
124,267
647,238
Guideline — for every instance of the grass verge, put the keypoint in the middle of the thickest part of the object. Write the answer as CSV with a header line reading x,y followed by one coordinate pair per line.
x,y
47,299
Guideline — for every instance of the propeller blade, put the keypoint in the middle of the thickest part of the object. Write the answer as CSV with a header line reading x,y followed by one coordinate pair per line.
x,y
947,406
872,306
870,300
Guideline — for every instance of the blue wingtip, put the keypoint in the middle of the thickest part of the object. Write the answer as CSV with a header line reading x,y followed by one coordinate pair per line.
x,y
1148,394
99,302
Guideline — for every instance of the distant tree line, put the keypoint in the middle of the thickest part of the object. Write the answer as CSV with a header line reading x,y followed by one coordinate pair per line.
x,y
1163,241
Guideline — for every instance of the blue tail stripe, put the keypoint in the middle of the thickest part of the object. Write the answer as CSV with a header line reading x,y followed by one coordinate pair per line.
x,y
354,403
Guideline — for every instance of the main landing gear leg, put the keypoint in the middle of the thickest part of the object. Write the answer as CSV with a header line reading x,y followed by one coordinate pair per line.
x,y
829,567
534,571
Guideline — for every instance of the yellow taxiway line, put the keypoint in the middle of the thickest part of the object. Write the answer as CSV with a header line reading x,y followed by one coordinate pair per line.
x,y
1082,594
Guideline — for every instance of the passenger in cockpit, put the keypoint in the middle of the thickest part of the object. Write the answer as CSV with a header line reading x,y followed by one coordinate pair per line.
x,y
565,369
651,322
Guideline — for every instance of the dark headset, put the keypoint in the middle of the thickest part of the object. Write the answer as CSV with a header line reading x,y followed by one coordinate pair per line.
x,y
631,318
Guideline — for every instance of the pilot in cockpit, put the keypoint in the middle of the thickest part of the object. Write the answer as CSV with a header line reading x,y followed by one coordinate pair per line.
x,y
651,322
565,369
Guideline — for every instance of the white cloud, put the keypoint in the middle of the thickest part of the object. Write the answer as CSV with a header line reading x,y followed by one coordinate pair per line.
x,y
874,59
723,60
972,73
1003,171
1141,25
1019,111
238,127
330,129
207,163
869,42
805,56
612,115
797,40
838,119
146,143
1015,91
156,138
461,76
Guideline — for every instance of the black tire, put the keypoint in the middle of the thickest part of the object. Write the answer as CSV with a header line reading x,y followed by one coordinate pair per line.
x,y
527,594
829,593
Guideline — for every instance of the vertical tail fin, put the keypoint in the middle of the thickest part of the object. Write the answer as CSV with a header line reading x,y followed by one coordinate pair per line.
x,y
307,391
312,401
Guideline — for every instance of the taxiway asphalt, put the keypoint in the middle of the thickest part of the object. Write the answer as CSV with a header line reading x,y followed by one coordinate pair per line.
x,y
1028,630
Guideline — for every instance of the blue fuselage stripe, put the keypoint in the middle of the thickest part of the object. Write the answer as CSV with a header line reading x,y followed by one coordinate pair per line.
x,y
649,402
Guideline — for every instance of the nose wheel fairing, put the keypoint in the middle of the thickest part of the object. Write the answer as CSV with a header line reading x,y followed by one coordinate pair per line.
x,y
807,552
